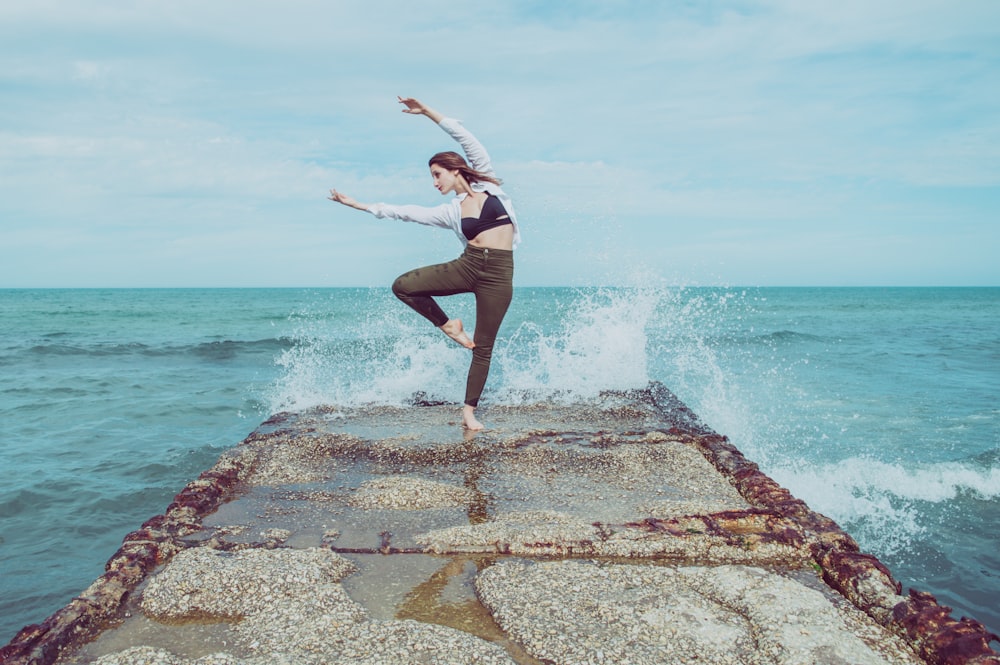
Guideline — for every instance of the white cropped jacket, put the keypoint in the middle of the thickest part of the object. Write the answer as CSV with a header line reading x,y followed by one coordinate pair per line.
x,y
449,215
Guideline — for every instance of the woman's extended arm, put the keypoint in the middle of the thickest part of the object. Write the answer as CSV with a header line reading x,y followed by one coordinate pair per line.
x,y
443,215
340,197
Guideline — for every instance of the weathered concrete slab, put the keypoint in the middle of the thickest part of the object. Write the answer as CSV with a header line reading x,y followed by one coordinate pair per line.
x,y
620,530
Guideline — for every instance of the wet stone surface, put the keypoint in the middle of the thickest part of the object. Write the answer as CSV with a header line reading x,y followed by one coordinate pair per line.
x,y
563,534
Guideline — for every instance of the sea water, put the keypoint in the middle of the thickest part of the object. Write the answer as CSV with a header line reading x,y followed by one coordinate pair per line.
x,y
878,407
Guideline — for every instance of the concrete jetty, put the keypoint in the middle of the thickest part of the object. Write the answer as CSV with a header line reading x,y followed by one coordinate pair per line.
x,y
620,530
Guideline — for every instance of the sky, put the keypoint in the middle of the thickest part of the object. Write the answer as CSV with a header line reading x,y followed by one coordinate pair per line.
x,y
192,143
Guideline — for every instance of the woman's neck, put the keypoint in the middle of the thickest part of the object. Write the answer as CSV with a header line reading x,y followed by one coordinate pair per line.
x,y
462,186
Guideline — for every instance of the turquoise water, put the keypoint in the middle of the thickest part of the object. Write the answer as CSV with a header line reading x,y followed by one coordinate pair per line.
x,y
876,406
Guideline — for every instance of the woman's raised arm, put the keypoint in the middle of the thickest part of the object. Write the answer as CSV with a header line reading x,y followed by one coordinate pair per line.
x,y
416,107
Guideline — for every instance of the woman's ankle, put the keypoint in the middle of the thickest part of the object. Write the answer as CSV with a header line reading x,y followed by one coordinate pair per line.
x,y
453,329
469,420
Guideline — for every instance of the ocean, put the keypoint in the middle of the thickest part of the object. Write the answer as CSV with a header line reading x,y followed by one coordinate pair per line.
x,y
877,406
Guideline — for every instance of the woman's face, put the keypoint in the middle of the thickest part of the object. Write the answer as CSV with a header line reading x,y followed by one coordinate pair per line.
x,y
444,180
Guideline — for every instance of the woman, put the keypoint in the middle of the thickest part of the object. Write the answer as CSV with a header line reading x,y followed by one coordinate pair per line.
x,y
482,216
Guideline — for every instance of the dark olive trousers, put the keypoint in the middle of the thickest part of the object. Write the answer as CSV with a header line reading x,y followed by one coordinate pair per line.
x,y
489,274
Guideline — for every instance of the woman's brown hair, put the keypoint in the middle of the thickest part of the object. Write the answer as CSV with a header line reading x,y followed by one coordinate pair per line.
x,y
452,161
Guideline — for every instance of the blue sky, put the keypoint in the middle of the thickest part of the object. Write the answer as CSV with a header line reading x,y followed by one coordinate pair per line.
x,y
785,142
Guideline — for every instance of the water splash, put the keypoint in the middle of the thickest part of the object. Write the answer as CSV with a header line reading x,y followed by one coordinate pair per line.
x,y
569,348
599,343
381,357
699,349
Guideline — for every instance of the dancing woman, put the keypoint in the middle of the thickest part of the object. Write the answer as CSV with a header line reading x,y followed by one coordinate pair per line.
x,y
482,216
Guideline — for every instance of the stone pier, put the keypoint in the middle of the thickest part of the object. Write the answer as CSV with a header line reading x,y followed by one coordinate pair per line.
x,y
621,530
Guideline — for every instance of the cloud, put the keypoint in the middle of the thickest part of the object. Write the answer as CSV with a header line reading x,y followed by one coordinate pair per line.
x,y
634,125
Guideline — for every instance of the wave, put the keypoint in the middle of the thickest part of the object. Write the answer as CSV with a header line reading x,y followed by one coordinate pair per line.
x,y
226,349
774,339
989,458
788,336
213,350
887,504
96,351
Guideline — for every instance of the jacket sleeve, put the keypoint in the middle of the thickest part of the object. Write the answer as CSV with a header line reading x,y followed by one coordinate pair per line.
x,y
474,150
436,216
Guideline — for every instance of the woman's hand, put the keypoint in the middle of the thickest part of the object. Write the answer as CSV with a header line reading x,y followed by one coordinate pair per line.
x,y
416,107
340,197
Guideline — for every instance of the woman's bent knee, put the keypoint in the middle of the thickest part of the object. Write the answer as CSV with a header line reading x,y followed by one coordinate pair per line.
x,y
399,287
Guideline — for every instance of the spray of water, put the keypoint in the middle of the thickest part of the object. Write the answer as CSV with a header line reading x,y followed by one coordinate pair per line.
x,y
598,343
366,353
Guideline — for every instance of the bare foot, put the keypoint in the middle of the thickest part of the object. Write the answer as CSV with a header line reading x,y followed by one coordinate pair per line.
x,y
469,421
454,330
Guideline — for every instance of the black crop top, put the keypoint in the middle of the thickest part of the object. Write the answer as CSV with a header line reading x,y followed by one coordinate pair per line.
x,y
492,215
